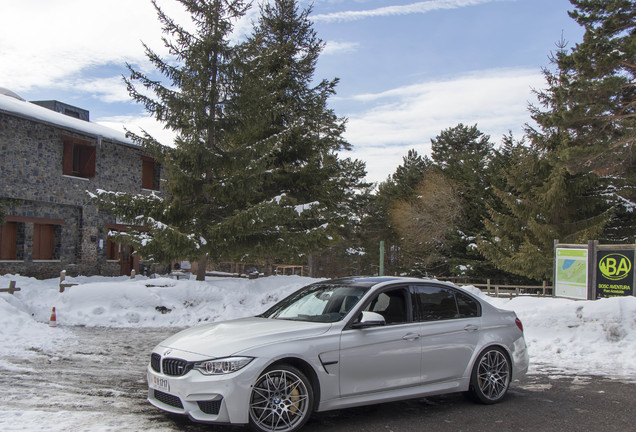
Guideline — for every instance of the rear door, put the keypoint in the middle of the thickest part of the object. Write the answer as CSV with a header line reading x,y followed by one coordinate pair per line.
x,y
450,324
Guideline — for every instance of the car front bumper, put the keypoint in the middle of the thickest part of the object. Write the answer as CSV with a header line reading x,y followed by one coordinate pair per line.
x,y
205,398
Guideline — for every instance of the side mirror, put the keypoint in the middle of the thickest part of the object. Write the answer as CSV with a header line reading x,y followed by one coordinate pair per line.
x,y
369,319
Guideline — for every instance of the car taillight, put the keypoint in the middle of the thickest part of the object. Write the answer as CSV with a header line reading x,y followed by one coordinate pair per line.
x,y
519,324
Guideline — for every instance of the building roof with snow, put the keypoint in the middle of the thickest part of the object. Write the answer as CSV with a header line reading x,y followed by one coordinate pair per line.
x,y
42,111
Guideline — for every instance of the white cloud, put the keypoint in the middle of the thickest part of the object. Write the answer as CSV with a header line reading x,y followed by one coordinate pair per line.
x,y
137,123
408,117
108,90
407,9
54,41
59,43
333,47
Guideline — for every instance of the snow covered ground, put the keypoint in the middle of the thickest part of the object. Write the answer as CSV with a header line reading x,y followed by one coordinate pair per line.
x,y
591,337
44,391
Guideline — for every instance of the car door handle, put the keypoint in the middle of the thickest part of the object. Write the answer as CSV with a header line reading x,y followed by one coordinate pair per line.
x,y
411,336
471,328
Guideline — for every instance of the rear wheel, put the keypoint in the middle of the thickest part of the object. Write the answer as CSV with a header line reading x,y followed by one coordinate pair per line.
x,y
491,376
281,400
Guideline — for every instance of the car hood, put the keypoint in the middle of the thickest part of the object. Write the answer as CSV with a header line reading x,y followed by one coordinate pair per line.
x,y
227,338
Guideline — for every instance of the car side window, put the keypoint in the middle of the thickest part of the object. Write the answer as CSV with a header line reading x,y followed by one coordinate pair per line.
x,y
467,306
435,303
391,305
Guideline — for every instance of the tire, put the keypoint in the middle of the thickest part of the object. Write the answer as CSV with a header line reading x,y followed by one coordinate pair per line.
x,y
281,401
490,378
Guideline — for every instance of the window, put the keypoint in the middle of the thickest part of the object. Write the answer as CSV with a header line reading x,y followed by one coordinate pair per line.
x,y
468,306
149,173
8,241
79,158
46,241
435,303
440,303
391,305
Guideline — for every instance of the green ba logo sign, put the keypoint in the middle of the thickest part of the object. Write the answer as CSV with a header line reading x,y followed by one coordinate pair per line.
x,y
615,266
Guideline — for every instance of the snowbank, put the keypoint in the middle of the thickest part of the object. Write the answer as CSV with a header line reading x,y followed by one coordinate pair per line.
x,y
144,302
123,302
592,337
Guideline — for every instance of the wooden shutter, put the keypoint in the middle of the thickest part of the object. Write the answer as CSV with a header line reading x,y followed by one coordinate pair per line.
x,y
8,241
67,159
112,250
43,236
87,161
147,173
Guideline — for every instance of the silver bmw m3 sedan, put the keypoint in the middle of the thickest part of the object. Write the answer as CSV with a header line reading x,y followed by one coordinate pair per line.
x,y
336,344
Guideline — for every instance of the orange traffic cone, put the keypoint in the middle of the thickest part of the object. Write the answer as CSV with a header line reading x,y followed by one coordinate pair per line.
x,y
53,320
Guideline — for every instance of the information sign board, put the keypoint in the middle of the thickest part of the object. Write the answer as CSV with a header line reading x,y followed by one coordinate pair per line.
x,y
571,273
614,273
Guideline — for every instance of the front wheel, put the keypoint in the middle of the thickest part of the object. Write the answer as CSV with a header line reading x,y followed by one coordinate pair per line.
x,y
490,377
281,400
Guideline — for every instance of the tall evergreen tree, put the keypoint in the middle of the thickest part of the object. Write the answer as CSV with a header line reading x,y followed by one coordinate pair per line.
x,y
255,171
463,154
291,140
578,173
590,103
538,203
193,104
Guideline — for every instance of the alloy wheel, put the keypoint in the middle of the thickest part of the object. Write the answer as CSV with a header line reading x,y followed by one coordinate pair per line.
x,y
493,375
280,401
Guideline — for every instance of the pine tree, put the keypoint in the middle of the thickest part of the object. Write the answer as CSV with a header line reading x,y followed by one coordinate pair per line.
x,y
255,173
290,140
463,154
540,202
191,103
590,104
575,181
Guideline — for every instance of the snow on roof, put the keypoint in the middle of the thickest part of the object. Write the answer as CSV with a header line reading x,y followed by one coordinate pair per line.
x,y
8,92
11,103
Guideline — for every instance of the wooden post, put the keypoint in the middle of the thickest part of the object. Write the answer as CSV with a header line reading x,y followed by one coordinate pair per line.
x,y
64,285
496,290
543,288
488,286
62,277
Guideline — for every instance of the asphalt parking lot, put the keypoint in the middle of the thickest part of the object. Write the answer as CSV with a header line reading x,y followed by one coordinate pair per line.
x,y
98,384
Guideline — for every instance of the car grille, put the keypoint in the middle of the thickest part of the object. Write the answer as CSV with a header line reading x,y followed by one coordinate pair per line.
x,y
155,362
210,407
176,367
168,399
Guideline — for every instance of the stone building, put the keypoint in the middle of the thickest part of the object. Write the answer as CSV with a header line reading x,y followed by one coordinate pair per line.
x,y
51,156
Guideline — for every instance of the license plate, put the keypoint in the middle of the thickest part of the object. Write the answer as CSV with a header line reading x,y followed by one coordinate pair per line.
x,y
158,383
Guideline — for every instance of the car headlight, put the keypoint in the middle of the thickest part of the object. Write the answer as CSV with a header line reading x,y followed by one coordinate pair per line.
x,y
222,366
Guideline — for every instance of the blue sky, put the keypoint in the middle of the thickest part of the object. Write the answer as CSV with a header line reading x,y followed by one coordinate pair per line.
x,y
408,69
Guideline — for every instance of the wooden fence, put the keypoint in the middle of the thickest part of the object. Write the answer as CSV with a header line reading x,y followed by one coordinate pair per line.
x,y
500,290
12,288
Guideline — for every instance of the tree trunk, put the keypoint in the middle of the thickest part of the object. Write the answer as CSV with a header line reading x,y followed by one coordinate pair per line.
x,y
311,266
203,263
269,267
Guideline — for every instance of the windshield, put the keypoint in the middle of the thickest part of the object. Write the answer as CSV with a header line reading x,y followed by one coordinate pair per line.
x,y
319,303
